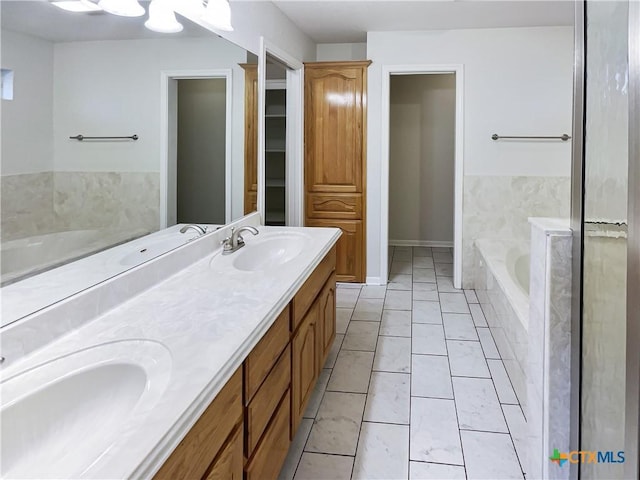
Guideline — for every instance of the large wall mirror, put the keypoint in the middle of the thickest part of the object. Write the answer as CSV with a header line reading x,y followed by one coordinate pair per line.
x,y
177,99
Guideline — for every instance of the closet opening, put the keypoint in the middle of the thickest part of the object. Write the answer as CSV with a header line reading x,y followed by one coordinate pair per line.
x,y
424,218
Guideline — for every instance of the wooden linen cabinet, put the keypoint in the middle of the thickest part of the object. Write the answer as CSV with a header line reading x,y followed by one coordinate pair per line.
x,y
335,96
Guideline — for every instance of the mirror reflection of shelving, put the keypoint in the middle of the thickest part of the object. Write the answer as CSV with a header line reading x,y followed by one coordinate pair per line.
x,y
275,151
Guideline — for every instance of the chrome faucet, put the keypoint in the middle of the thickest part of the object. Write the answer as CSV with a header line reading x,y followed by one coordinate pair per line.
x,y
197,228
235,241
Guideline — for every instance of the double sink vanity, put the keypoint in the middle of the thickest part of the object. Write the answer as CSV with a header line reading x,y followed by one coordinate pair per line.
x,y
192,365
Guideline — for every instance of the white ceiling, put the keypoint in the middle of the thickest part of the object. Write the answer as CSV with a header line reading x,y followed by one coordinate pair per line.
x,y
41,19
348,21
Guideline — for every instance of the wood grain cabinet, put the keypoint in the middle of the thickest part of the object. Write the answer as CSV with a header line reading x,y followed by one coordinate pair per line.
x,y
250,137
335,158
247,429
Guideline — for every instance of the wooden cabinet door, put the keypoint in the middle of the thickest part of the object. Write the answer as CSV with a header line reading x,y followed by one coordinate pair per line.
x,y
304,364
230,462
349,249
250,136
327,301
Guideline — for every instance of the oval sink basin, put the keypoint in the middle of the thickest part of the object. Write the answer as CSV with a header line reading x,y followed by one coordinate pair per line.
x,y
58,421
270,251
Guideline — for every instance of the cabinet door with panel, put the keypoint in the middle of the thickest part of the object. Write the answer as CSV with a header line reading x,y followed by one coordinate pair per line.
x,y
349,249
327,300
230,462
304,363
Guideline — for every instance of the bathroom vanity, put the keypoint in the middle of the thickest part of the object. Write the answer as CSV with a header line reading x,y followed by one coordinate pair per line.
x,y
192,365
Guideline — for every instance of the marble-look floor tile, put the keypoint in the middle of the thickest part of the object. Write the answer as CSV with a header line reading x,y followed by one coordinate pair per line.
x,y
397,300
421,251
423,262
343,316
471,296
490,456
393,355
352,285
425,275
459,326
361,336
477,315
453,303
477,405
388,398
318,392
337,424
428,339
403,248
444,269
442,257
368,309
435,471
434,431
295,450
333,352
373,291
518,429
398,281
396,323
425,292
430,376
488,345
466,359
402,256
383,452
445,285
401,267
319,466
502,382
347,297
426,312
351,372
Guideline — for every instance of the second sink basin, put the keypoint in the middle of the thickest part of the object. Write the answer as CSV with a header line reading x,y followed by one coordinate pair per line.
x,y
270,251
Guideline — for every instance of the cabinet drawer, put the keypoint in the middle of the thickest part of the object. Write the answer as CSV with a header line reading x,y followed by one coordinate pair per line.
x,y
342,206
230,462
272,449
265,354
309,291
263,405
194,454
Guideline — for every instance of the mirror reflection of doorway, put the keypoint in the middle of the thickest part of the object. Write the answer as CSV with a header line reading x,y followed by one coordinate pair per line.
x,y
200,161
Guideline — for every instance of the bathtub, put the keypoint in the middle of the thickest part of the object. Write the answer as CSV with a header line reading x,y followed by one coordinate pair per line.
x,y
31,255
502,287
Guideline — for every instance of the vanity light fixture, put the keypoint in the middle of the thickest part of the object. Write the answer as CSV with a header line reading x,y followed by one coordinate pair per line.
x,y
162,18
124,8
80,6
218,15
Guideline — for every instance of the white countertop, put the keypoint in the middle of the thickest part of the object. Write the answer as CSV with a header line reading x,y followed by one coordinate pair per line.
x,y
209,317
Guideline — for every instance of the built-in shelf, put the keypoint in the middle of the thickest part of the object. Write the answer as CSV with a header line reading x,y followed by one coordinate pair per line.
x,y
276,115
275,150
275,182
275,147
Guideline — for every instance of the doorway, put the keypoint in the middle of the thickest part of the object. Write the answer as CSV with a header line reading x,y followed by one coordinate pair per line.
x,y
422,163
195,175
421,160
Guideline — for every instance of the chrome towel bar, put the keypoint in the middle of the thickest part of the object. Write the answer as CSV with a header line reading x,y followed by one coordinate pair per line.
x,y
82,137
564,137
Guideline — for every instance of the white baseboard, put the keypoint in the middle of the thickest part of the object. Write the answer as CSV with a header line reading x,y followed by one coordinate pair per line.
x,y
419,243
375,281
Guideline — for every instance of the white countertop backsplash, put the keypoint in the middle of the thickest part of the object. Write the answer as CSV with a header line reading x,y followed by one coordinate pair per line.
x,y
208,317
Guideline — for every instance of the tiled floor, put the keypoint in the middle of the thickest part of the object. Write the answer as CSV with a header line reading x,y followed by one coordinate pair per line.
x,y
414,386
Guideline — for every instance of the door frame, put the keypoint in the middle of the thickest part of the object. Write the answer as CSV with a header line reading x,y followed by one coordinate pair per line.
x,y
166,76
387,72
295,130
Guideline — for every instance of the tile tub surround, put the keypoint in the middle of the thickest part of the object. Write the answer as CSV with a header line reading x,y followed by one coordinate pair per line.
x,y
203,308
497,207
424,414
506,309
549,361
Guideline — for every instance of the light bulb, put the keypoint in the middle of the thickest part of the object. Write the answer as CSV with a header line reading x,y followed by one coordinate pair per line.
x,y
162,18
218,15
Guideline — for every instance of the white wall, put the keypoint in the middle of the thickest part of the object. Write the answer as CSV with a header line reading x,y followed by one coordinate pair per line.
x,y
90,75
253,19
517,81
328,52
27,133
421,159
